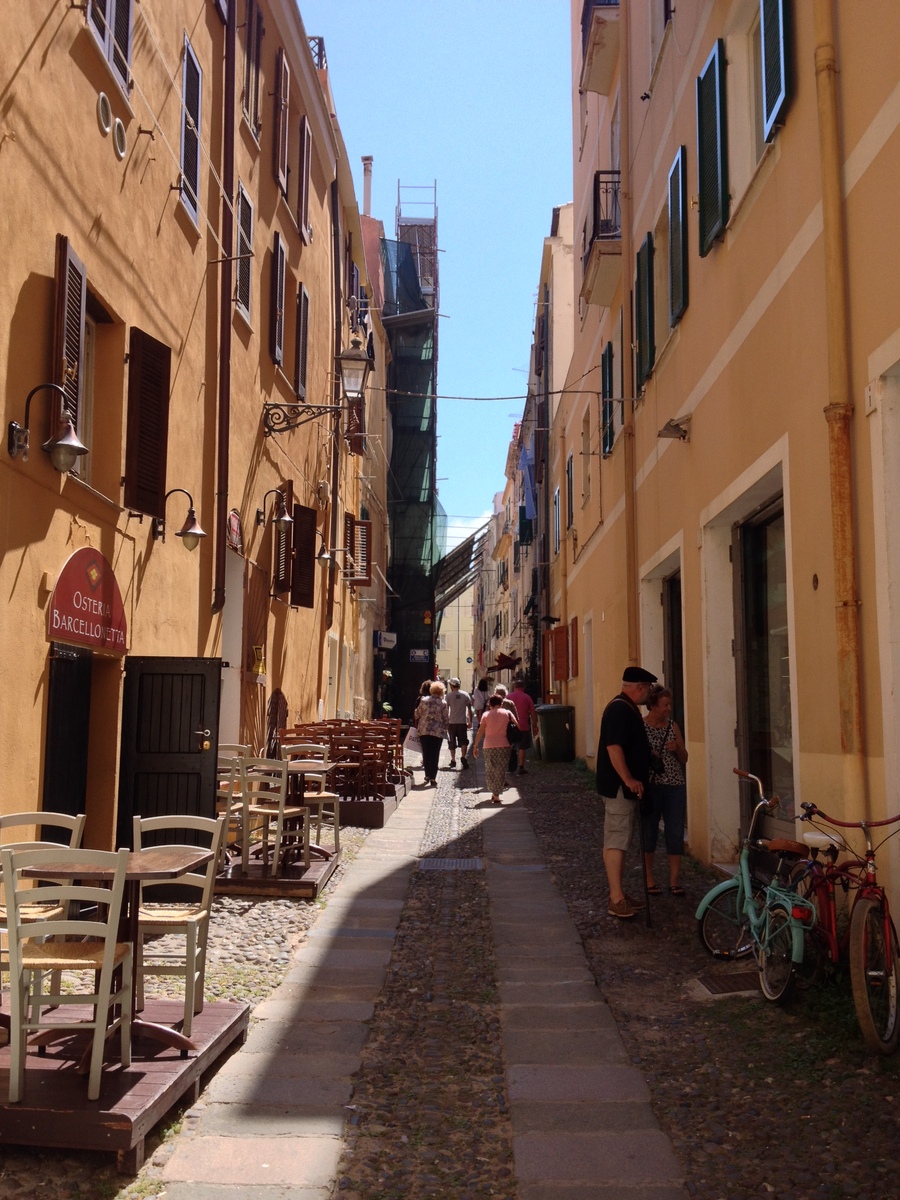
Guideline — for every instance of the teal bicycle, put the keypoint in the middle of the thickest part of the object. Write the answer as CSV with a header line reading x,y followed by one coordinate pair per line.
x,y
750,914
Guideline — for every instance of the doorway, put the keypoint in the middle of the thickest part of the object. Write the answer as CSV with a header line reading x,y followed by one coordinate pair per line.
x,y
68,726
673,645
762,655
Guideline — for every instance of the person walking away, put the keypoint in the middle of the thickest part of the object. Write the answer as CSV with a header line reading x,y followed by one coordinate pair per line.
x,y
492,735
459,704
527,719
623,773
666,797
479,703
432,721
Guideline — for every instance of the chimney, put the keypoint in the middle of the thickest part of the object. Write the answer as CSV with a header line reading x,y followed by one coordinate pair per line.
x,y
367,185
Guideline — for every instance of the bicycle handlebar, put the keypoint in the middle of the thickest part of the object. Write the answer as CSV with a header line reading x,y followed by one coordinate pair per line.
x,y
812,810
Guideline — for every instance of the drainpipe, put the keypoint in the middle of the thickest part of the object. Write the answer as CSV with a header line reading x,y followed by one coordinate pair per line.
x,y
839,413
227,265
631,563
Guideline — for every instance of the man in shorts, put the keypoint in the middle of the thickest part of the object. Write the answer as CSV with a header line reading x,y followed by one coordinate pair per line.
x,y
460,705
623,772
526,719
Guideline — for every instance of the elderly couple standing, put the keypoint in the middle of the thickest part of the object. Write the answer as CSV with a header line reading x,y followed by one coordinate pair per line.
x,y
640,765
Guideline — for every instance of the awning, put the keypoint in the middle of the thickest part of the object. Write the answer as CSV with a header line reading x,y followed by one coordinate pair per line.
x,y
457,571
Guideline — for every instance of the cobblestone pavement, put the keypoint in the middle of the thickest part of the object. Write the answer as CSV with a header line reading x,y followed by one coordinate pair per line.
x,y
760,1101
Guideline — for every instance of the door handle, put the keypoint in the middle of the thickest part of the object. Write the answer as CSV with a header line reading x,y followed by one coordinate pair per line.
x,y
203,738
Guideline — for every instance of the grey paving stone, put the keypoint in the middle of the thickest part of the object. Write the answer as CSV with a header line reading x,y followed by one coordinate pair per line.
x,y
266,1161
318,1064
637,1157
533,992
563,1116
257,1089
547,936
221,1191
536,972
243,1120
313,1011
519,955
559,1017
310,974
563,1048
298,1037
609,1082
599,1191
345,933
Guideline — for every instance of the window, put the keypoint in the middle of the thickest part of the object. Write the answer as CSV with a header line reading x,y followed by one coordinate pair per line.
x,y
276,312
557,539
774,64
559,641
111,22
244,252
304,179
607,434
570,492
302,342
146,451
253,27
661,275
358,544
282,117
712,156
281,571
573,647
192,79
303,569
646,347
678,235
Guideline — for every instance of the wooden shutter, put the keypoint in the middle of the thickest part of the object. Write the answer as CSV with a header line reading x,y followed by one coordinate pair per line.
x,y
282,113
561,652
123,21
252,58
712,149
68,327
573,647
190,130
244,273
303,580
303,185
149,373
773,31
646,347
349,544
606,391
362,571
276,311
302,348
281,573
678,255
356,426
570,491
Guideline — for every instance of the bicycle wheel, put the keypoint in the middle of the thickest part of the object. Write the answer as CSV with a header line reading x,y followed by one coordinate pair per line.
x,y
776,966
875,988
723,929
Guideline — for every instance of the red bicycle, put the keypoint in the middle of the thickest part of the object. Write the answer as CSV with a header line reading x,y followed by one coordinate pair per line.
x,y
869,941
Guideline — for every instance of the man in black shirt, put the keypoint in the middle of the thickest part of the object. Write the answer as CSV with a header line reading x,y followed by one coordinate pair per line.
x,y
623,771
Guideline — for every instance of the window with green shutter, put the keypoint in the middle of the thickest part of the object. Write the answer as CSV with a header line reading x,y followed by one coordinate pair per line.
x,y
678,237
774,18
192,80
712,149
643,303
302,342
282,113
276,313
607,431
244,273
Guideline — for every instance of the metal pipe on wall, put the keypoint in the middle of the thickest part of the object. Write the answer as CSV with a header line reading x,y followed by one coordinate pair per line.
x,y
631,563
839,412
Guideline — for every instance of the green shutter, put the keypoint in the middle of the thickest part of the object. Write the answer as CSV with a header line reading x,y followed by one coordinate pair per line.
x,y
678,255
606,391
276,310
773,30
646,346
712,149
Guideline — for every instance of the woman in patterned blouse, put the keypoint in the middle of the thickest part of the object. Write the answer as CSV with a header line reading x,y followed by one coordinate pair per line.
x,y
432,717
666,797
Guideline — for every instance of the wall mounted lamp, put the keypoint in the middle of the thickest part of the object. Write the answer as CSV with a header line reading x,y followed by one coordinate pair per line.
x,y
325,557
64,447
190,532
677,427
281,518
353,367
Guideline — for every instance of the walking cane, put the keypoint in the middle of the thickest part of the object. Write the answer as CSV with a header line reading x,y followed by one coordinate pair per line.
x,y
640,837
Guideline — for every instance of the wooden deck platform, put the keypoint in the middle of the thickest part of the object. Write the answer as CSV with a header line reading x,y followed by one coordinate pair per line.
x,y
56,1112
293,881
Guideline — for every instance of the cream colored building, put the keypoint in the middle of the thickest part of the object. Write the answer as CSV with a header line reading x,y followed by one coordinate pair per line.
x,y
735,375
183,265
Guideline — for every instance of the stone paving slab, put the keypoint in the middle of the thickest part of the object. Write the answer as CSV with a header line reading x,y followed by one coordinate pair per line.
x,y
242,1120
214,1191
624,1157
261,1161
259,1089
547,993
311,1010
565,1116
325,957
309,974
318,1064
596,1191
305,1036
535,973
608,1082
559,1017
563,1048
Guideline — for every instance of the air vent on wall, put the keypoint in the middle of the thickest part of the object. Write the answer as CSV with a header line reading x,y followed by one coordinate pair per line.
x,y
120,142
104,113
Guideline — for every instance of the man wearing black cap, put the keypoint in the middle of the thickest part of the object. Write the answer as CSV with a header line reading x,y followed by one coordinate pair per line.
x,y
623,771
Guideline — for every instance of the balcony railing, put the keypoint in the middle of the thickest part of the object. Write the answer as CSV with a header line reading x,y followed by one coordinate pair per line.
x,y
606,217
587,14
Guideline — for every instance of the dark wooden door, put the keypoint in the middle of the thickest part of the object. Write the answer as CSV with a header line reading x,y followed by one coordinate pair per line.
x,y
170,723
66,744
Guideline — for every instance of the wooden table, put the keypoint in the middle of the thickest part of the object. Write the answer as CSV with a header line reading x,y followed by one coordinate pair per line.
x,y
153,863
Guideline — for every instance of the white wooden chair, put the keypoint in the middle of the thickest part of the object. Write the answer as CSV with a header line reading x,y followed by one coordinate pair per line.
x,y
265,804
324,804
188,918
37,947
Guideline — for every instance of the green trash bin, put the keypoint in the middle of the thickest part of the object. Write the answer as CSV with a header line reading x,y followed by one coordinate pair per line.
x,y
556,724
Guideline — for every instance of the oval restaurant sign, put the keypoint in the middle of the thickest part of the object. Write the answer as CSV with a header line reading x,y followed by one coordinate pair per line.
x,y
86,606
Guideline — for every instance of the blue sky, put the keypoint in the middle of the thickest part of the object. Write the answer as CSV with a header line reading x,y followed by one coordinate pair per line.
x,y
474,95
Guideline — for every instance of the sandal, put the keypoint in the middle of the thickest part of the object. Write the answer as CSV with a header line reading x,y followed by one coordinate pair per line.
x,y
677,891
654,890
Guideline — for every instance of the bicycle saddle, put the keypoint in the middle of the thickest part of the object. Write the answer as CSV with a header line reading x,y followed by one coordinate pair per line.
x,y
786,846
